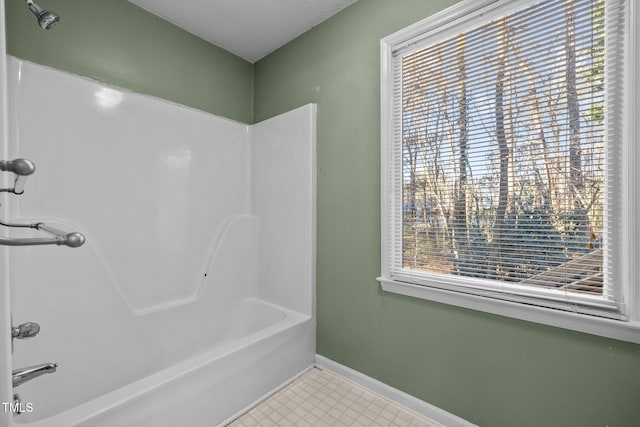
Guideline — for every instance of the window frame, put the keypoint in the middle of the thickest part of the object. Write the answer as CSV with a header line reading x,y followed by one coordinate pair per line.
x,y
447,290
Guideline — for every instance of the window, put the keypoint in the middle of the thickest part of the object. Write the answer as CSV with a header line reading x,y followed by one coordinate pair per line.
x,y
506,160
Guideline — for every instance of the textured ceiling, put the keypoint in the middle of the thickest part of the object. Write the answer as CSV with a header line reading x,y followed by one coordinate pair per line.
x,y
250,29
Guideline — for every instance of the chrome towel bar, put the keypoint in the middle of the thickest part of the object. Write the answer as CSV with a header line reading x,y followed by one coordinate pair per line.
x,y
73,239
23,168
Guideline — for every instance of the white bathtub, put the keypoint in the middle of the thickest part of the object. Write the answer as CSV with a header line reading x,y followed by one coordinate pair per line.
x,y
267,346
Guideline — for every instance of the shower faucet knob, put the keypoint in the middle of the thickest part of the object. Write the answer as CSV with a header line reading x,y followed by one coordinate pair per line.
x,y
26,330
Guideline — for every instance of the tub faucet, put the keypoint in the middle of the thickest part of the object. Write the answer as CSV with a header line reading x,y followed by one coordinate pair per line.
x,y
21,376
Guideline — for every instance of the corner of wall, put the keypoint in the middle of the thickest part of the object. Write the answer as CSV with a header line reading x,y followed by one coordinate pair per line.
x,y
253,93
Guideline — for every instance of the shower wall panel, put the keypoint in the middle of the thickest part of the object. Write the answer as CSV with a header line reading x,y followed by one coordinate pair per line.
x,y
161,193
137,174
283,170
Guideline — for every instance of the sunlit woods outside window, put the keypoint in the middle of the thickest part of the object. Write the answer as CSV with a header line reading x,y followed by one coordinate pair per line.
x,y
503,150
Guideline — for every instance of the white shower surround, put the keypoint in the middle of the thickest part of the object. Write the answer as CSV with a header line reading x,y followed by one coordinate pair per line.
x,y
199,267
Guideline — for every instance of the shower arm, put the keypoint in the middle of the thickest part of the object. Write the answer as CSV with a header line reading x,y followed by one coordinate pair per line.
x,y
22,168
73,239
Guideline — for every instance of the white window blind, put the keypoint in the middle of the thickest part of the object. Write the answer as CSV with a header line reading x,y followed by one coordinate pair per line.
x,y
505,158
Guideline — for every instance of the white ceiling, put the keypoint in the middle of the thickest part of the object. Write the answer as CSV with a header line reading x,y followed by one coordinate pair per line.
x,y
250,29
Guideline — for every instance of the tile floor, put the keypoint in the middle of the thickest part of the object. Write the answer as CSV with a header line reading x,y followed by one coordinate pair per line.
x,y
320,398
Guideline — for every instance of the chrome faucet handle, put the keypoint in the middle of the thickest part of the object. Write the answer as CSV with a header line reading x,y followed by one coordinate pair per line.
x,y
26,330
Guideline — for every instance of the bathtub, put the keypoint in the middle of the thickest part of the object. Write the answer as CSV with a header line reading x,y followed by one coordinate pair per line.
x,y
266,348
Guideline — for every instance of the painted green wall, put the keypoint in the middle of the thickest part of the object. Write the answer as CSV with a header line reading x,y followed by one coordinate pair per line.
x,y
488,369
118,43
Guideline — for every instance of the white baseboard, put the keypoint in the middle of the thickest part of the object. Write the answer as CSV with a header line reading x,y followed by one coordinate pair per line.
x,y
413,403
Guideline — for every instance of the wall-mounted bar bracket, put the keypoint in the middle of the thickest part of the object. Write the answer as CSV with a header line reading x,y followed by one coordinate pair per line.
x,y
22,168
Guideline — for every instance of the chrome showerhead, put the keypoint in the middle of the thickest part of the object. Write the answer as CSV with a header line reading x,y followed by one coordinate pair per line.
x,y
46,18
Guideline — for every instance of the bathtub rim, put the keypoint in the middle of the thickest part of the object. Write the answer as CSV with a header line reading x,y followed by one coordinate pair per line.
x,y
95,407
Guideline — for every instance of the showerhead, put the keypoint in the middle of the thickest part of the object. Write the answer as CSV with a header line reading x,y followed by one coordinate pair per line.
x,y
46,19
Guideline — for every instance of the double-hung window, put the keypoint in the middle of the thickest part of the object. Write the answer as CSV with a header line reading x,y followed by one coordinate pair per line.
x,y
508,164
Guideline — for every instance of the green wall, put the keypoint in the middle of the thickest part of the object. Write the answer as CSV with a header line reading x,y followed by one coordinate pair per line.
x,y
491,370
118,43
488,369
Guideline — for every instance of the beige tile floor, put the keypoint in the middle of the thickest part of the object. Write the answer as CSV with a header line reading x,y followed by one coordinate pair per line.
x,y
320,398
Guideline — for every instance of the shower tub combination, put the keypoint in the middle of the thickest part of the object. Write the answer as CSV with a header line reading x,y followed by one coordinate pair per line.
x,y
193,296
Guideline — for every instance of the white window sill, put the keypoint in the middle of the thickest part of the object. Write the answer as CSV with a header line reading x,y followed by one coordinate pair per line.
x,y
616,329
